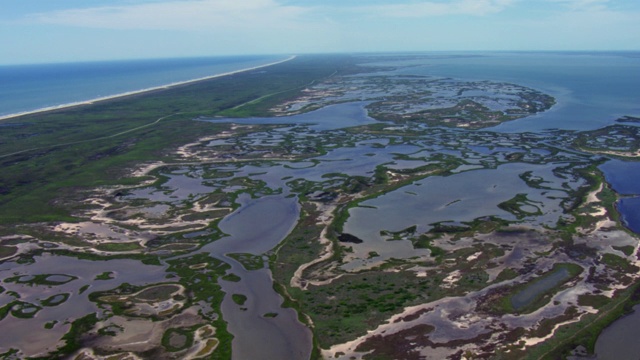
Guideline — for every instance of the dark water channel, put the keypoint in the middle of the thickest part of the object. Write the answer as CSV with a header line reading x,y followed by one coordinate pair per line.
x,y
255,228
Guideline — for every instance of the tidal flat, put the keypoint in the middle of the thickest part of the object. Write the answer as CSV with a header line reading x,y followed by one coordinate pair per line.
x,y
343,211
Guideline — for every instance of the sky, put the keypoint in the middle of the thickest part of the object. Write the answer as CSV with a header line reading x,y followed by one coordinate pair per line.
x,y
41,31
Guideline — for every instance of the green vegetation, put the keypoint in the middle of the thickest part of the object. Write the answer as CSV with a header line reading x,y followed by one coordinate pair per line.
x,y
203,286
107,275
49,325
6,251
55,300
627,250
177,339
595,301
538,291
520,206
19,309
231,277
506,274
144,258
584,332
157,292
425,242
72,339
622,138
62,152
299,247
249,261
41,279
115,247
354,303
618,263
239,299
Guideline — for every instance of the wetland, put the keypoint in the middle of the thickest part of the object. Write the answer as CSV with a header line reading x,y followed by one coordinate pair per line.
x,y
346,207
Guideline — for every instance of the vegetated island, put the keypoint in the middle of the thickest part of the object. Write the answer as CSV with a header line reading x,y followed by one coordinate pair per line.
x,y
116,207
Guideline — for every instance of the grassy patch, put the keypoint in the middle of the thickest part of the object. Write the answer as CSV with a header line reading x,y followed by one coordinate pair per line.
x,y
177,339
618,263
527,297
6,251
239,299
157,293
115,247
595,301
49,325
72,339
55,300
41,279
520,206
355,303
627,250
203,286
231,277
107,275
506,274
425,242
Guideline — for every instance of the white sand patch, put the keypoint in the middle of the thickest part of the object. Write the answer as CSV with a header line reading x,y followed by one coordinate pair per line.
x,y
451,279
474,256
593,196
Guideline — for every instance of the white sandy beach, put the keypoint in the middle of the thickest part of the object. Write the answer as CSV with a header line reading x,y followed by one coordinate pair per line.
x,y
135,92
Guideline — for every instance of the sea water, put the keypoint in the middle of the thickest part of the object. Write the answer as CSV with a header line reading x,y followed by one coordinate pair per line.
x,y
26,88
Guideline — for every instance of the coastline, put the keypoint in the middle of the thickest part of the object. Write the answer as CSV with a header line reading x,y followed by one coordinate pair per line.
x,y
137,92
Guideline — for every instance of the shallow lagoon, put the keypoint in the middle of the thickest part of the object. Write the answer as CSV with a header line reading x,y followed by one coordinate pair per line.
x,y
527,295
327,118
462,197
30,335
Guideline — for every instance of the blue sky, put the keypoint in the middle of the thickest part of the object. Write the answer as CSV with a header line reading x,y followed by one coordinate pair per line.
x,y
36,31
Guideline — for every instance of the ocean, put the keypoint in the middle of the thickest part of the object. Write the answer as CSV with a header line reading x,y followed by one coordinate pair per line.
x,y
25,88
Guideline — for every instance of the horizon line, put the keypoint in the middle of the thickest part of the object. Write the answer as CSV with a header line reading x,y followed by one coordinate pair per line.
x,y
54,62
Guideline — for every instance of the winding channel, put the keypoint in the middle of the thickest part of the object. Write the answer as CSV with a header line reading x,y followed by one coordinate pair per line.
x,y
255,228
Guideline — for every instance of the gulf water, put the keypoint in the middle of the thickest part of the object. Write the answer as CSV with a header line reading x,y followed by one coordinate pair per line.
x,y
26,88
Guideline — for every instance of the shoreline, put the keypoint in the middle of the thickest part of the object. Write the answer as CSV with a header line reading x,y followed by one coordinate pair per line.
x,y
137,92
